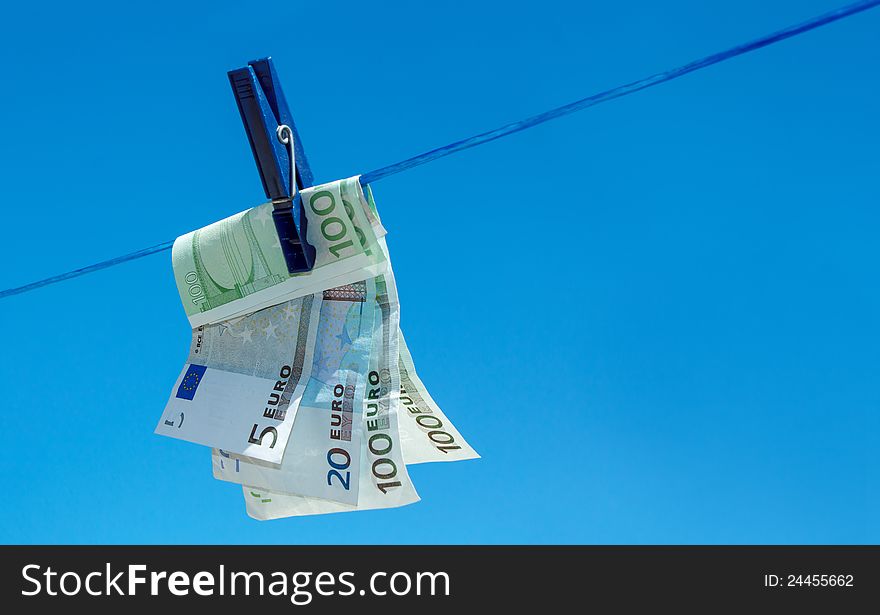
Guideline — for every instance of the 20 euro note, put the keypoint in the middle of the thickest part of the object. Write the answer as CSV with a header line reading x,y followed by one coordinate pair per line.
x,y
382,476
323,454
235,266
242,384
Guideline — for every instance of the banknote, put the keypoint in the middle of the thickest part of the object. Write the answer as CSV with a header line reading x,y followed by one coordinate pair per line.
x,y
243,381
426,434
332,428
235,266
421,431
384,480
323,455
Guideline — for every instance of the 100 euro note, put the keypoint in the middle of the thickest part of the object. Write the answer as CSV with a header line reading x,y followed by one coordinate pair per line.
x,y
242,384
426,434
236,266
384,481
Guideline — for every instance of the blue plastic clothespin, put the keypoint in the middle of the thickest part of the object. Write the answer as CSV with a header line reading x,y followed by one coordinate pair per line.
x,y
263,110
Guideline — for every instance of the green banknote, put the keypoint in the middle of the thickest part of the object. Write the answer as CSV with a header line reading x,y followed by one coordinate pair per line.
x,y
426,434
302,384
235,266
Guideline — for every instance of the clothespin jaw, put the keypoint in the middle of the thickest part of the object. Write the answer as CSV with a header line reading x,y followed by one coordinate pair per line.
x,y
263,110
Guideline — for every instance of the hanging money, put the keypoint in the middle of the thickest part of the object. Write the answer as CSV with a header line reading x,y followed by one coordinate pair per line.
x,y
302,384
426,434
323,456
384,480
244,379
235,266
416,429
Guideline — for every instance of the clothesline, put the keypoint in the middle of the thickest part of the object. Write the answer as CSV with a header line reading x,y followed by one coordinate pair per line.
x,y
513,127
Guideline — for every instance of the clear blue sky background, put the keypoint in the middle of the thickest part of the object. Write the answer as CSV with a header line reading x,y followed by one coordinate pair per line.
x,y
656,319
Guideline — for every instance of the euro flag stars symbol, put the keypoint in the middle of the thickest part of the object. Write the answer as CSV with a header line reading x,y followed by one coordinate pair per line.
x,y
190,382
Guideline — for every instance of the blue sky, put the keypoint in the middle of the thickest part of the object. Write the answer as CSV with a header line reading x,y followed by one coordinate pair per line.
x,y
655,319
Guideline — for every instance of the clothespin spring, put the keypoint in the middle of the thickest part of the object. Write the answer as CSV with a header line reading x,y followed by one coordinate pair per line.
x,y
285,136
287,212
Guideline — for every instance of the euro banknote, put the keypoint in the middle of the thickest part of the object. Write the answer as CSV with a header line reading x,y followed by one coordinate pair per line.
x,y
271,490
243,380
420,430
426,434
235,266
302,385
324,448
380,476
